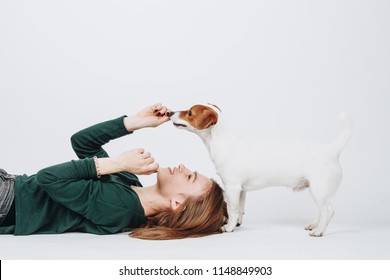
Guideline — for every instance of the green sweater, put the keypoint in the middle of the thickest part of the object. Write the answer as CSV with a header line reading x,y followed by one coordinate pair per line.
x,y
69,197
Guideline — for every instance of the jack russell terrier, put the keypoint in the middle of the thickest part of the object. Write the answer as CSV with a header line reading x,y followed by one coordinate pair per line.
x,y
246,165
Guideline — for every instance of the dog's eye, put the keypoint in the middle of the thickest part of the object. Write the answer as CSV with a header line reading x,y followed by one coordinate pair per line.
x,y
189,113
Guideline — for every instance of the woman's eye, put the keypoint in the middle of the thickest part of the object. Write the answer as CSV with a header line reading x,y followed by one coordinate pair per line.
x,y
189,177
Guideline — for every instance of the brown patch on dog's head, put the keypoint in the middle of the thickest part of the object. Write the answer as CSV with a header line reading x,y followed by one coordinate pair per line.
x,y
200,116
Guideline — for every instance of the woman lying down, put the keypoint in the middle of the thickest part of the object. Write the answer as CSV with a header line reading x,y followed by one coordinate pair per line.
x,y
102,195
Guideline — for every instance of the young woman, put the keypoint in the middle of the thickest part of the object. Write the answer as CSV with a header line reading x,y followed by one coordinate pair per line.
x,y
102,195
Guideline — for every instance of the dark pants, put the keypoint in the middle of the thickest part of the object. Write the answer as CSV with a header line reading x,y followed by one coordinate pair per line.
x,y
7,193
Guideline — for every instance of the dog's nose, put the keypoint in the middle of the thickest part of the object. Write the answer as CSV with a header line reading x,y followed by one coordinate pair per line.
x,y
169,114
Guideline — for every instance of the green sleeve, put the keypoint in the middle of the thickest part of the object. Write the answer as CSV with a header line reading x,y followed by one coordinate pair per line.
x,y
89,141
73,184
70,183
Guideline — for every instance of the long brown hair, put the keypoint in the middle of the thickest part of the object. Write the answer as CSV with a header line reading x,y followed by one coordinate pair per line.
x,y
196,217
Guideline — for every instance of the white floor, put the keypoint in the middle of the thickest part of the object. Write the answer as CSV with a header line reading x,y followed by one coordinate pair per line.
x,y
273,240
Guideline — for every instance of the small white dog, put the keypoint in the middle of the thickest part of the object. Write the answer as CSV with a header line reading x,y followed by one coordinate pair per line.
x,y
245,165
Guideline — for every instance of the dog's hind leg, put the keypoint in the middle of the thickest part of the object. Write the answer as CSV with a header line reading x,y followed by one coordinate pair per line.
x,y
322,188
233,207
242,207
326,213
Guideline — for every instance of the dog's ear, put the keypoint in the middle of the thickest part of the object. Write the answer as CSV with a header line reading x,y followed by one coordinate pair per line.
x,y
214,106
209,118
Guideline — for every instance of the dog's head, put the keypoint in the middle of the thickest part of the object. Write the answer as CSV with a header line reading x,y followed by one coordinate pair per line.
x,y
197,118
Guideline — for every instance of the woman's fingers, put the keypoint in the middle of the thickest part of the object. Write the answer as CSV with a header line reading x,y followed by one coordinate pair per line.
x,y
156,107
149,160
152,168
160,110
149,169
146,163
146,155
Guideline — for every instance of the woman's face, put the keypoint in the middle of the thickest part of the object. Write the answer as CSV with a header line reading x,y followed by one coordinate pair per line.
x,y
180,181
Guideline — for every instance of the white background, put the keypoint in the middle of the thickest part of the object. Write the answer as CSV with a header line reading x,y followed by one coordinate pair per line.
x,y
277,69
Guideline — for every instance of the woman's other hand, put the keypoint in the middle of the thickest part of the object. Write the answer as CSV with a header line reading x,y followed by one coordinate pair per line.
x,y
151,116
139,162
135,161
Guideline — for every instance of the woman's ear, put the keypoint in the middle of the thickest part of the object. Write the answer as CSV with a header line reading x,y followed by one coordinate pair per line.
x,y
176,203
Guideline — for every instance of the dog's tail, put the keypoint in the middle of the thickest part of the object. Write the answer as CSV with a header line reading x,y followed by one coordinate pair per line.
x,y
346,131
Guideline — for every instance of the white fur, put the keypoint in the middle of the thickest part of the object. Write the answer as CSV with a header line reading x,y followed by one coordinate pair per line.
x,y
245,165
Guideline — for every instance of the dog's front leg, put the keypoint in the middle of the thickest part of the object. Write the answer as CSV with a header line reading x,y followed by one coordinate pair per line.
x,y
232,195
242,207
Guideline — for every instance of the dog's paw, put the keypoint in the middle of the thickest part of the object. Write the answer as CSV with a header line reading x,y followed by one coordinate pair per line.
x,y
310,227
226,229
315,233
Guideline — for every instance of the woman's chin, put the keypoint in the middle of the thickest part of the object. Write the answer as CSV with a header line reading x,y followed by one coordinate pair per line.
x,y
163,173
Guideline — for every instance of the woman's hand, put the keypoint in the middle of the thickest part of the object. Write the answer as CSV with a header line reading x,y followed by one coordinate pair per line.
x,y
151,116
138,161
135,161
